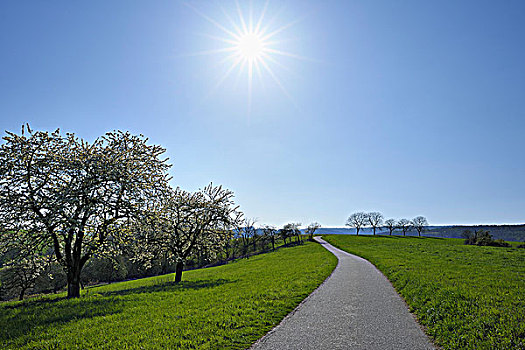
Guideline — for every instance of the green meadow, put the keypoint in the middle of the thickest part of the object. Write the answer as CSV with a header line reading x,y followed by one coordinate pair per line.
x,y
224,307
467,297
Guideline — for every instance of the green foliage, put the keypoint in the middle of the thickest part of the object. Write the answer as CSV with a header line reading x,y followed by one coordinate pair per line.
x,y
225,307
73,196
467,297
482,238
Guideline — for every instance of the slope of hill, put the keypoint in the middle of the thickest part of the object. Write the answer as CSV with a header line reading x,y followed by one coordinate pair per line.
x,y
514,233
224,307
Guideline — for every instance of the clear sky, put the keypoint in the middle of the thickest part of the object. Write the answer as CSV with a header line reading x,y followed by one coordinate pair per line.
x,y
403,107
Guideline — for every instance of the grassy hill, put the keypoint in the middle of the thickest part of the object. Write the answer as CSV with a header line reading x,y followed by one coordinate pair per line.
x,y
224,307
467,297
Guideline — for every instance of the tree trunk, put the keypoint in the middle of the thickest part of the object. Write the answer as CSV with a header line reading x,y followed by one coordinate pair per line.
x,y
73,287
357,231
22,292
374,230
273,243
178,271
73,279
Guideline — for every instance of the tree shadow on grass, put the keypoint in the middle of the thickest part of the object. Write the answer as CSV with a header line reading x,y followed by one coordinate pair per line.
x,y
164,286
39,315
19,320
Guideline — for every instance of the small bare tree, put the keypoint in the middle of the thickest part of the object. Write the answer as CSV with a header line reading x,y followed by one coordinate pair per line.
x,y
391,225
247,234
270,232
285,233
375,219
357,221
419,223
404,225
310,230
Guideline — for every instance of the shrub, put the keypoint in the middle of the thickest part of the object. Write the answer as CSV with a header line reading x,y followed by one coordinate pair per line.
x,y
482,238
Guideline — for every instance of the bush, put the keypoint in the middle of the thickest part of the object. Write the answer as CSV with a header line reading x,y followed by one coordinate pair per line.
x,y
482,238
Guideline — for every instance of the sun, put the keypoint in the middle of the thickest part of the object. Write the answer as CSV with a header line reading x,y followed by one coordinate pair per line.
x,y
250,45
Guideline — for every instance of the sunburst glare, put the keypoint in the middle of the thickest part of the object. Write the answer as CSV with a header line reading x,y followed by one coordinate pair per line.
x,y
250,46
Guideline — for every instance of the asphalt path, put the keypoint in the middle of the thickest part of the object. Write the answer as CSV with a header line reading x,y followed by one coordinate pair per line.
x,y
355,308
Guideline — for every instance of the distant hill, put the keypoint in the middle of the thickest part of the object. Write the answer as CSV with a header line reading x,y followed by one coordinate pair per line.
x,y
514,233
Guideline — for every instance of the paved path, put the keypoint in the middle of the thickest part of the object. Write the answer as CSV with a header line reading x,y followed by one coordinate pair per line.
x,y
355,308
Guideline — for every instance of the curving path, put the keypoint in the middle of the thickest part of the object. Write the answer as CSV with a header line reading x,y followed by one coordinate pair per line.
x,y
355,308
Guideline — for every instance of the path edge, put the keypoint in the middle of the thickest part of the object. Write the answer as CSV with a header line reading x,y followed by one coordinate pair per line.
x,y
298,307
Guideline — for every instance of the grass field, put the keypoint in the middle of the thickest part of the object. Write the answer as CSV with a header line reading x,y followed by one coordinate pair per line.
x,y
467,297
225,307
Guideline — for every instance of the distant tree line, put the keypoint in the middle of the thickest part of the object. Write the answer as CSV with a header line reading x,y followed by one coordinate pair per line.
x,y
374,220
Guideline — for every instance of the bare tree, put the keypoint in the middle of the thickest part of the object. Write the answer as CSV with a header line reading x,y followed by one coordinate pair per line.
x,y
310,230
291,230
247,234
375,219
404,225
185,223
270,232
357,221
419,223
296,231
285,233
252,233
74,195
391,225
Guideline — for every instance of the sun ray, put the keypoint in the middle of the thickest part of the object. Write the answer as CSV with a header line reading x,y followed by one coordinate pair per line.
x,y
278,82
281,28
241,17
250,84
263,13
250,18
219,38
225,75
270,23
258,71
212,21
276,62
210,52
232,22
284,53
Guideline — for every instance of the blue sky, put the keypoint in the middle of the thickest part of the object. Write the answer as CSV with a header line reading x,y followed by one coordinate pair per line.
x,y
406,107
